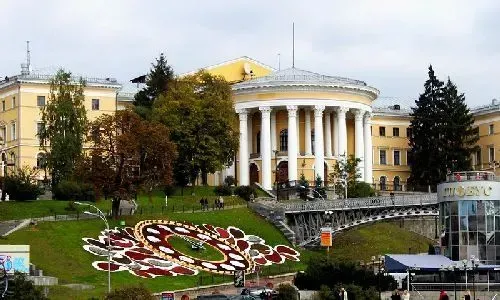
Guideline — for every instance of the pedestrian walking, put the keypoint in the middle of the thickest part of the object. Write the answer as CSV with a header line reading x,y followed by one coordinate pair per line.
x,y
343,294
467,295
395,295
221,202
406,295
444,296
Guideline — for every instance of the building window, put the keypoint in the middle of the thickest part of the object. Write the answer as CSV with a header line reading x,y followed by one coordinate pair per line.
x,y
41,160
95,104
13,158
284,140
409,132
312,141
381,131
13,102
3,105
40,100
397,183
3,135
395,131
397,157
383,157
478,158
491,154
13,133
491,129
257,142
383,183
39,128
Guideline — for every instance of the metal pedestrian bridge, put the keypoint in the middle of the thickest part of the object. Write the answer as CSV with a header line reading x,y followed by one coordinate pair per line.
x,y
301,222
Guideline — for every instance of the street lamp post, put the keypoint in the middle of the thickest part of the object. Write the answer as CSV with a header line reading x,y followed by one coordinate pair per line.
x,y
102,216
314,191
452,269
474,264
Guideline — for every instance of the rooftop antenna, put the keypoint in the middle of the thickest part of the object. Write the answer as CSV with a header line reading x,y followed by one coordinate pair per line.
x,y
293,45
26,67
279,62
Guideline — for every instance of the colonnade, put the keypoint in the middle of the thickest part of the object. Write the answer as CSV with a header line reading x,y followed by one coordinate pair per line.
x,y
327,144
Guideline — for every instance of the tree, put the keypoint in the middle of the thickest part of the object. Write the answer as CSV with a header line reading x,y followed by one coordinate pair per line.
x,y
287,292
131,293
442,136
157,83
21,185
65,124
21,288
199,111
128,154
348,170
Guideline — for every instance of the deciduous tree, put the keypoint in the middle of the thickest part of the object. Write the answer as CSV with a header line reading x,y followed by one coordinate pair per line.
x,y
128,154
65,124
199,111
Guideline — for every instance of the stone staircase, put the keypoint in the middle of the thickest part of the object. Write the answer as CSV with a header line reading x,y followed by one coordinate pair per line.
x,y
276,217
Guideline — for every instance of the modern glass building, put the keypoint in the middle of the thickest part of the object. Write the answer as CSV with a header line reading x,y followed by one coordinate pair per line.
x,y
469,205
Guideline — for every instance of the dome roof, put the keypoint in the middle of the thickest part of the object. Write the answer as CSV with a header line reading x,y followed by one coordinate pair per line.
x,y
294,76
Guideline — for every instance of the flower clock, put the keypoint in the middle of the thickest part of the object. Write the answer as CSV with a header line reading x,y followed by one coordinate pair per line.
x,y
147,249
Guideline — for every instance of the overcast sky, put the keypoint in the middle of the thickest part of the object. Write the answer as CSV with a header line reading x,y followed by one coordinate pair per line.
x,y
388,44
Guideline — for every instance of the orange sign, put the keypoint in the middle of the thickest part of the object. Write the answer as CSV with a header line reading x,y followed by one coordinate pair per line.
x,y
326,237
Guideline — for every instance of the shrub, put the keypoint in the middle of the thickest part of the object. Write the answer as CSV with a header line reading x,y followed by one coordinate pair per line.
x,y
74,191
20,287
360,190
287,292
230,181
223,190
21,185
130,293
244,191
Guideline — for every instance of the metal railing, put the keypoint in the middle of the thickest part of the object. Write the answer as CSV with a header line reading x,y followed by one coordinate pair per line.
x,y
471,176
357,203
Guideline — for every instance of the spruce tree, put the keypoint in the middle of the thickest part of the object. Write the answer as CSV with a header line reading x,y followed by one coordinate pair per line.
x,y
443,137
157,82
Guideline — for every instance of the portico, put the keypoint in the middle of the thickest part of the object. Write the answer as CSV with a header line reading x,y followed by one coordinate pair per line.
x,y
304,119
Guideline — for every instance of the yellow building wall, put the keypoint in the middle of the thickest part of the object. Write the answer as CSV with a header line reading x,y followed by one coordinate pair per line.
x,y
234,71
487,140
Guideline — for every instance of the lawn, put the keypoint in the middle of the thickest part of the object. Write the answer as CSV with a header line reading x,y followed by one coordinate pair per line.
x,y
363,242
156,205
56,248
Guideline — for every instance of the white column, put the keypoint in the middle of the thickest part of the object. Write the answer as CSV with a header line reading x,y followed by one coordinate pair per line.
x,y
298,133
250,135
368,148
359,148
336,134
273,131
341,111
243,153
328,135
265,148
307,131
292,142
319,161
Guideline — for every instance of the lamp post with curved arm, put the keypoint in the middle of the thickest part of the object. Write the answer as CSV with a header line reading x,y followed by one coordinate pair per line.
x,y
102,216
314,191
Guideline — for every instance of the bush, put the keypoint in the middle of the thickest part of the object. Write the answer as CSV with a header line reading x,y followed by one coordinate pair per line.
x,y
223,190
131,293
230,181
287,292
21,186
74,191
20,287
360,190
244,191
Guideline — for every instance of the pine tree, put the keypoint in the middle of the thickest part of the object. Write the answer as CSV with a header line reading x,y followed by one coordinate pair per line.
x,y
157,82
443,136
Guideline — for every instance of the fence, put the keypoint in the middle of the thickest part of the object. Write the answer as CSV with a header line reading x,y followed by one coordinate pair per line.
x,y
143,210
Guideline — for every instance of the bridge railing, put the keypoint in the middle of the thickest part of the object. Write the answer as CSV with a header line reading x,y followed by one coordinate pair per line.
x,y
355,203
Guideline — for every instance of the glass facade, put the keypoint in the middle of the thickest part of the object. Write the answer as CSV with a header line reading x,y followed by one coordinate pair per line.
x,y
471,228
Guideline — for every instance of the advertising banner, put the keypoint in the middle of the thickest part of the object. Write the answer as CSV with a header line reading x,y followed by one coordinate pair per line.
x,y
15,258
326,237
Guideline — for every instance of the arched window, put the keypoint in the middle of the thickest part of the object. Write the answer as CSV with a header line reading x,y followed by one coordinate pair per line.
x,y
397,183
312,141
13,158
257,142
4,156
41,160
284,140
383,183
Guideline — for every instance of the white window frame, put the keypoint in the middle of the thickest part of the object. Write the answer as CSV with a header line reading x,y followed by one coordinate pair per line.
x,y
3,135
13,131
13,102
40,97
380,156
394,157
98,104
491,150
491,129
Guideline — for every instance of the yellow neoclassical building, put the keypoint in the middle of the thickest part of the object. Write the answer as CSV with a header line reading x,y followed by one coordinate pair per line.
x,y
22,98
291,122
